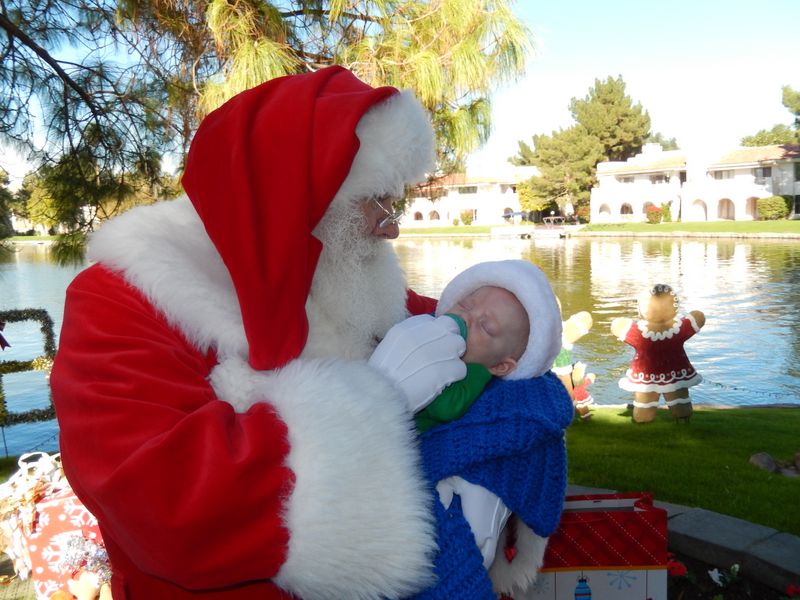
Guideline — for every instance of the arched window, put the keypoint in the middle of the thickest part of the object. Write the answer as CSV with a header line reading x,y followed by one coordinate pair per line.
x,y
434,216
418,216
626,209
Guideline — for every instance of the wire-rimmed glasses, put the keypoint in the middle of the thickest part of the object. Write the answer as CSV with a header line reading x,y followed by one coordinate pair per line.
x,y
391,217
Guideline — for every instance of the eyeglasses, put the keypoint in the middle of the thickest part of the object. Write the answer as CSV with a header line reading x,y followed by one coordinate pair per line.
x,y
391,217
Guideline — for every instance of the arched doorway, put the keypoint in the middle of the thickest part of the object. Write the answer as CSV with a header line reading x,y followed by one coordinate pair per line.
x,y
699,211
418,216
726,210
604,214
433,216
751,209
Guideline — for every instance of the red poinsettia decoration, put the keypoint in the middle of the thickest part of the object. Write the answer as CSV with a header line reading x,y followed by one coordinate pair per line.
x,y
675,568
793,591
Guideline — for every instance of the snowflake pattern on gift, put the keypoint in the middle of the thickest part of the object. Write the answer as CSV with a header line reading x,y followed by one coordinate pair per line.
x,y
541,586
54,553
45,588
75,513
61,518
621,579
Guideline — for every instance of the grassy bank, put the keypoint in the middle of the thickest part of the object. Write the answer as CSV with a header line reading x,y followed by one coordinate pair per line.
x,y
8,464
457,230
701,464
712,227
738,227
31,238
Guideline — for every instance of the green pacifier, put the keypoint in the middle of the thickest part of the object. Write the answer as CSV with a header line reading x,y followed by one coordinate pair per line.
x,y
462,325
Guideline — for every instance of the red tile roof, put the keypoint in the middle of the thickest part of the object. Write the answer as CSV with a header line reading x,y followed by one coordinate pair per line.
x,y
667,161
758,154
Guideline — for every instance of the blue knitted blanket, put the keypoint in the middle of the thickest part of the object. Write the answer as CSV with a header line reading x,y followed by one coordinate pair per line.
x,y
511,442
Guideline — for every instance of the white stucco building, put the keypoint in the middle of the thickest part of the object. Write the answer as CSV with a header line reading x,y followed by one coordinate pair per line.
x,y
698,188
486,197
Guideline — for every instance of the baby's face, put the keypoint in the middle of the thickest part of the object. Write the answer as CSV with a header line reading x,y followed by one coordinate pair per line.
x,y
497,328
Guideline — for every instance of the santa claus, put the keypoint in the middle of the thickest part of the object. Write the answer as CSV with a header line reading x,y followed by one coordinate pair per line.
x,y
218,412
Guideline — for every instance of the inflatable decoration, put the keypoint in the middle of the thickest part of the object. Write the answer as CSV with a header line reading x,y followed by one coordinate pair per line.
x,y
660,366
573,329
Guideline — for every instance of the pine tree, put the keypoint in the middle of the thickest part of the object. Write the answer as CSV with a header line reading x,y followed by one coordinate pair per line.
x,y
6,198
780,134
609,126
141,74
610,115
566,161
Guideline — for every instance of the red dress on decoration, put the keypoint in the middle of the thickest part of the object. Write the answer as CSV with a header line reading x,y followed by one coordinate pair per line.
x,y
660,363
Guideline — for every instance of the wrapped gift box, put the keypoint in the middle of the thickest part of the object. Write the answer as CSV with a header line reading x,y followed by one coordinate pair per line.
x,y
46,530
66,538
607,546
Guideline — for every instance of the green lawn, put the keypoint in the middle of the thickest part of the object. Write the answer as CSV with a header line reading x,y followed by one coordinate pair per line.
x,y
702,464
716,227
457,230
30,238
742,227
8,465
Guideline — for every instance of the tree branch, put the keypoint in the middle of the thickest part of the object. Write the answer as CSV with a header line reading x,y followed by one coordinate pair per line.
x,y
322,13
13,31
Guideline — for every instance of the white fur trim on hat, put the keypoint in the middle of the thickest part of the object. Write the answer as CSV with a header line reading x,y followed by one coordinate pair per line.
x,y
397,149
531,287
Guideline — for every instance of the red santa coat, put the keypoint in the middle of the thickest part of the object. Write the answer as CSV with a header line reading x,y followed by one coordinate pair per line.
x,y
219,463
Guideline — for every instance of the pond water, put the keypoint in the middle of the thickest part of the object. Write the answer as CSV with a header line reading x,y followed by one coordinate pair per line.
x,y
748,352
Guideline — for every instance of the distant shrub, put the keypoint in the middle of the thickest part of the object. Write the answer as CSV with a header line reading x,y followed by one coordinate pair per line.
x,y
582,213
654,215
666,212
773,208
466,217
455,222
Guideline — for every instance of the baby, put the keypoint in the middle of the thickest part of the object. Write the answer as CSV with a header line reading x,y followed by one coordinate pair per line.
x,y
509,317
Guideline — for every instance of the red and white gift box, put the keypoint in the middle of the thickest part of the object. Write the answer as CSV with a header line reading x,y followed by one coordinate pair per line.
x,y
46,530
607,546
62,522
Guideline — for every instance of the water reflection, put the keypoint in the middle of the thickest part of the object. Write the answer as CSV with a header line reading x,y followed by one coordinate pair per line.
x,y
28,279
748,350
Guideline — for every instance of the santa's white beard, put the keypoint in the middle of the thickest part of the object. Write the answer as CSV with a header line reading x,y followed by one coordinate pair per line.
x,y
358,291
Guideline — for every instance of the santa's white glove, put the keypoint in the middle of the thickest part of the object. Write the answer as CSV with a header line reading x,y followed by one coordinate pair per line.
x,y
421,355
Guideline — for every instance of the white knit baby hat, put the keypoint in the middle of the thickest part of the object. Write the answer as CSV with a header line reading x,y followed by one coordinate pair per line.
x,y
531,287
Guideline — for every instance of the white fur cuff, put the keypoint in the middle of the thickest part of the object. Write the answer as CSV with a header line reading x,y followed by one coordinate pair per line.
x,y
359,516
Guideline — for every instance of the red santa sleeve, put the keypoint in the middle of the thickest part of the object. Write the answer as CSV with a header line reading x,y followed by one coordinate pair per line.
x,y
200,495
164,466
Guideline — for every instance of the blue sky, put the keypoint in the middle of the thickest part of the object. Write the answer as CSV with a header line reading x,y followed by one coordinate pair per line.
x,y
707,71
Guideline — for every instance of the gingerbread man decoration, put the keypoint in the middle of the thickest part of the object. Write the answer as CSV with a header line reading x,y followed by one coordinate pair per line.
x,y
660,366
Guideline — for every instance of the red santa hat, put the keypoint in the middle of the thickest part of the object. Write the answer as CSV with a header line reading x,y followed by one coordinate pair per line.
x,y
263,169
531,287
